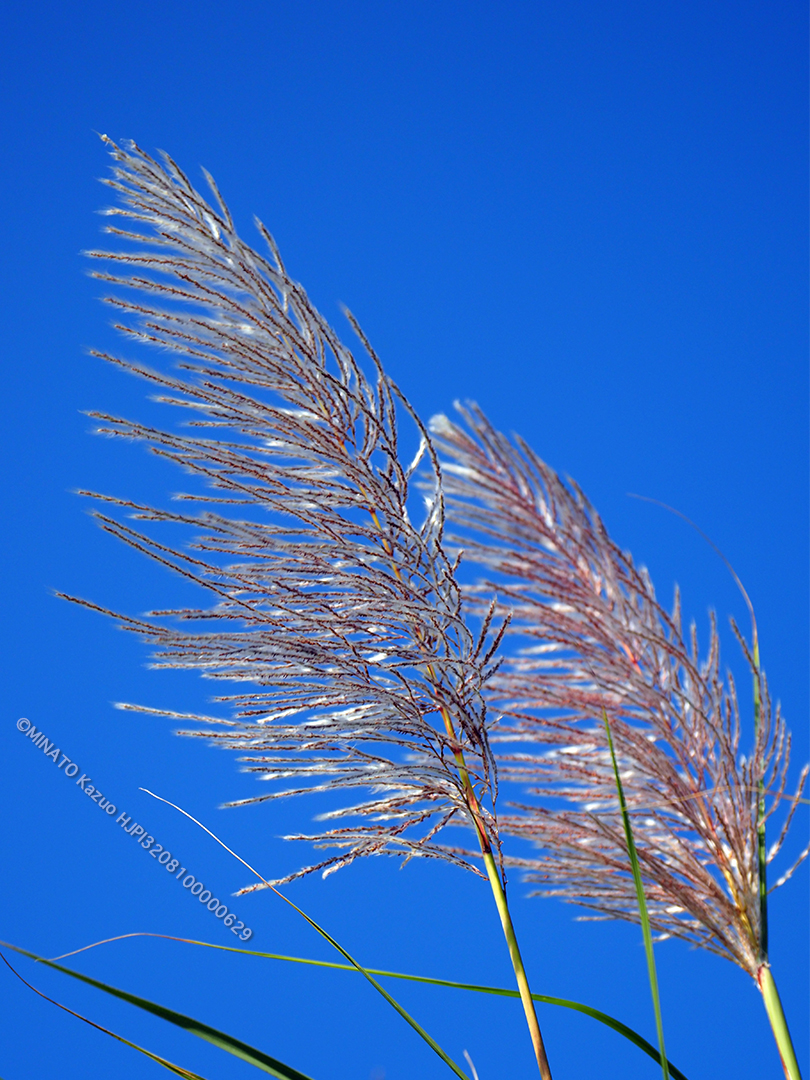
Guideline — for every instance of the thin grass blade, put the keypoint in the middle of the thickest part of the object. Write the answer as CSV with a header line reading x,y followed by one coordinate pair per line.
x,y
178,1070
543,999
203,1031
327,937
642,904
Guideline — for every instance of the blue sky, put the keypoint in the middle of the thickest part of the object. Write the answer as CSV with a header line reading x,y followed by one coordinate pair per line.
x,y
590,218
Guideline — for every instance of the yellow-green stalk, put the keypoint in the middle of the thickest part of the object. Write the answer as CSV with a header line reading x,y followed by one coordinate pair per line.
x,y
494,876
765,980
500,901
776,1015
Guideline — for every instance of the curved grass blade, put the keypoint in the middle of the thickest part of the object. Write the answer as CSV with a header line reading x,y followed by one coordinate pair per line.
x,y
203,1031
327,937
595,1014
178,1070
642,903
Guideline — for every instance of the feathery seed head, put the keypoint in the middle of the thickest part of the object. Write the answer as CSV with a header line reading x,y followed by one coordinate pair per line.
x,y
594,637
342,615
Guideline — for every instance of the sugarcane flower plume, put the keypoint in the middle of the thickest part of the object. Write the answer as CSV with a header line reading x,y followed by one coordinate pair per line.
x,y
589,638
337,616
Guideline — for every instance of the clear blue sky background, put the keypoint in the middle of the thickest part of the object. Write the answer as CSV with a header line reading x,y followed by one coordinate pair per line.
x,y
590,217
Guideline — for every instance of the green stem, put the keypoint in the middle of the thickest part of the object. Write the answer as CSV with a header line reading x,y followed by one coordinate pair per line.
x,y
776,1015
646,929
765,980
498,892
517,964
762,854
483,840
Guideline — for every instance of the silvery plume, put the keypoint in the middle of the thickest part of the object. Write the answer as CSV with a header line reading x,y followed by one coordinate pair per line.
x,y
337,614
340,613
590,639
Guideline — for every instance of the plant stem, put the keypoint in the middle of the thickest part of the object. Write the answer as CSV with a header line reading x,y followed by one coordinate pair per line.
x,y
483,840
499,894
500,900
765,980
762,860
776,1015
517,964
641,899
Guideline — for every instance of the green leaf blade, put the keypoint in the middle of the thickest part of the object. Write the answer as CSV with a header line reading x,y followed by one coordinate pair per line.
x,y
595,1014
203,1031
642,904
